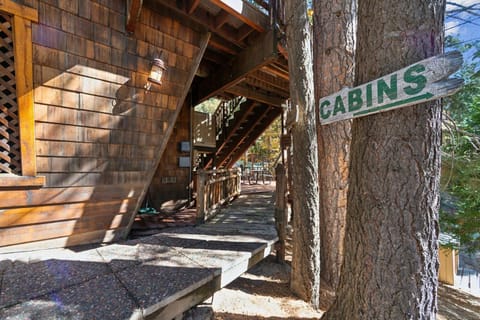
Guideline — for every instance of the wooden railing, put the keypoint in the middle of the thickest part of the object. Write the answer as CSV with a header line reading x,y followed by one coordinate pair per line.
x,y
214,188
223,113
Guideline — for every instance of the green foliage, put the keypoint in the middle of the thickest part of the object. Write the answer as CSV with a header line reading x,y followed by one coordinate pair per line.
x,y
267,147
461,157
464,185
208,106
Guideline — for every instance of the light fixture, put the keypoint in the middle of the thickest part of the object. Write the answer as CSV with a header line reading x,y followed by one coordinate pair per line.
x,y
156,73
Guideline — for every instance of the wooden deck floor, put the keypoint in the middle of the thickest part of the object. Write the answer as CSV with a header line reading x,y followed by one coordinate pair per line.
x,y
155,277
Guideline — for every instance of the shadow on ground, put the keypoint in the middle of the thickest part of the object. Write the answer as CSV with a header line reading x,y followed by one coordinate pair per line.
x,y
454,304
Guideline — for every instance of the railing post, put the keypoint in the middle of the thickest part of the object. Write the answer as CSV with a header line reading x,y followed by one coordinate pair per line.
x,y
281,216
238,184
201,179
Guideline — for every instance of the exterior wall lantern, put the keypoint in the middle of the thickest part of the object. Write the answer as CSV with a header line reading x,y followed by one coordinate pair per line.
x,y
156,73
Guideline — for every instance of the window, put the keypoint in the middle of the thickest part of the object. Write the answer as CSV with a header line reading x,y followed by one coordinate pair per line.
x,y
17,130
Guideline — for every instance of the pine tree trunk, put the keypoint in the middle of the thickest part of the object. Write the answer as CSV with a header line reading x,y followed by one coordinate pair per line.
x,y
305,276
390,265
334,34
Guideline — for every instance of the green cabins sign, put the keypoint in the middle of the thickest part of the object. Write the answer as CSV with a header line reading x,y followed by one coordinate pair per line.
x,y
420,82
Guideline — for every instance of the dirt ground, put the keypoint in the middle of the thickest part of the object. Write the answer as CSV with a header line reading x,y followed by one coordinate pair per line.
x,y
263,293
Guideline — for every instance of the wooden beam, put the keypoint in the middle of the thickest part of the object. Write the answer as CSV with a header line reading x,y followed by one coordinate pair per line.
x,y
19,10
22,29
192,6
222,46
276,71
266,86
221,18
255,95
134,8
244,31
282,50
276,82
216,57
21,181
205,19
245,12
261,53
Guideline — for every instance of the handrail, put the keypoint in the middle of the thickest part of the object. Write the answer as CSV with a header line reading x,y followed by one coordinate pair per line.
x,y
223,113
215,187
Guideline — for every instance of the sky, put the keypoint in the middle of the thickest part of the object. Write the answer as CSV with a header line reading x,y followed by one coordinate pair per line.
x,y
464,25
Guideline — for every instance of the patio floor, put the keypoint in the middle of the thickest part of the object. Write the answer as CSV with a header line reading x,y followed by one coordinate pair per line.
x,y
154,277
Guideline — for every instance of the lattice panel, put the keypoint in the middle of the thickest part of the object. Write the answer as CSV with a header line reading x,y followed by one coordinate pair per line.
x,y
9,128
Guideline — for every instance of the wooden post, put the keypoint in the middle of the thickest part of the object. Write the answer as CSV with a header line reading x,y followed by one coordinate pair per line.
x,y
280,211
447,265
201,179
239,182
134,8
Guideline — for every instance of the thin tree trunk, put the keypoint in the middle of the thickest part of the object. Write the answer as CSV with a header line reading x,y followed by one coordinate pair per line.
x,y
390,265
334,33
305,276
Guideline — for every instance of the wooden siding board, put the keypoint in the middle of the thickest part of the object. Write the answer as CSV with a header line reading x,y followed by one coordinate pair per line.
x,y
42,231
67,22
85,9
87,179
69,5
56,195
72,240
45,56
117,20
62,212
49,37
91,119
49,148
91,165
50,15
99,14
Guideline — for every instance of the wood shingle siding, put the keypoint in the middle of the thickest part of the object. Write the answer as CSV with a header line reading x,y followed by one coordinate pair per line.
x,y
99,133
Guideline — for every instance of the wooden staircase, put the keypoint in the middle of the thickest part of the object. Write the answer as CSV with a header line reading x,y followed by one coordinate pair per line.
x,y
239,123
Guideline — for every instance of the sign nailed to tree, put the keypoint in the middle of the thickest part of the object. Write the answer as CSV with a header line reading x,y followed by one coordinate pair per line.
x,y
423,81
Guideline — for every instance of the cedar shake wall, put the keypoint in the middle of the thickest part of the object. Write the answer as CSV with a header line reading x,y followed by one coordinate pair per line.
x,y
99,134
171,181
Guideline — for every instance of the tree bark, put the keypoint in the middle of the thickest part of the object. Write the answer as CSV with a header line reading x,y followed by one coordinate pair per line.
x,y
305,276
390,266
334,33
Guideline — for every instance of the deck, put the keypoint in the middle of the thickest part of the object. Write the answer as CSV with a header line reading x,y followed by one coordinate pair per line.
x,y
155,277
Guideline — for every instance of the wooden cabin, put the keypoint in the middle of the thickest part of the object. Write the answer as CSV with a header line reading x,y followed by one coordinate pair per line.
x,y
88,128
